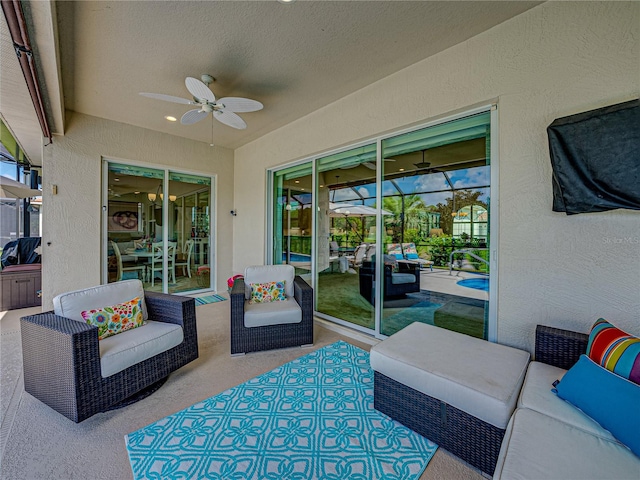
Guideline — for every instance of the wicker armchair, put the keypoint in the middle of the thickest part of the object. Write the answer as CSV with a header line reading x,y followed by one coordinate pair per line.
x,y
61,359
409,273
245,339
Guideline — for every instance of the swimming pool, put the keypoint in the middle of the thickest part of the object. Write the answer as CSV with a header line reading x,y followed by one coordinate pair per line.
x,y
481,283
296,257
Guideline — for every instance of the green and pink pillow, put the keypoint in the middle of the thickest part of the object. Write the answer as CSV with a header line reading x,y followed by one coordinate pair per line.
x,y
115,319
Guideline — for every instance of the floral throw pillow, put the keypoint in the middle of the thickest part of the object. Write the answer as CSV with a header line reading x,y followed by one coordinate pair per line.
x,y
267,292
116,319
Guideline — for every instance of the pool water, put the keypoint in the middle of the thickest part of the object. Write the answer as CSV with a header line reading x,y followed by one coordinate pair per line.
x,y
296,257
477,283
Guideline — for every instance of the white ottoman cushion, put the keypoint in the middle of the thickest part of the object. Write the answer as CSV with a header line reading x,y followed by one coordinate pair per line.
x,y
538,446
133,346
272,313
481,378
536,395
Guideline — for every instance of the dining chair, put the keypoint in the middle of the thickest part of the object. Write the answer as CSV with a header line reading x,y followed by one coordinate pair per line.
x,y
156,260
185,261
121,268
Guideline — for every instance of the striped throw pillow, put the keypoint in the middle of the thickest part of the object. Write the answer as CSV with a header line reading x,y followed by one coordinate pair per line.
x,y
615,350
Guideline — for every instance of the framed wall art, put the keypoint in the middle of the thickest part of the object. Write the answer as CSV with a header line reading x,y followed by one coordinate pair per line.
x,y
124,217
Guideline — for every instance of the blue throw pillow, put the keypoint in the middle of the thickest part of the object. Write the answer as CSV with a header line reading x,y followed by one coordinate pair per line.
x,y
412,256
611,400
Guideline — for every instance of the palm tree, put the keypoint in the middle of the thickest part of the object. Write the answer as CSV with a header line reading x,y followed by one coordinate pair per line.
x,y
406,213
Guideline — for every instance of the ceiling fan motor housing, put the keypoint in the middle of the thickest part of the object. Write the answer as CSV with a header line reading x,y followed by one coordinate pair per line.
x,y
208,79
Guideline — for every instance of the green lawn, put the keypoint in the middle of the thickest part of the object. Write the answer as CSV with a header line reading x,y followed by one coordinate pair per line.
x,y
339,296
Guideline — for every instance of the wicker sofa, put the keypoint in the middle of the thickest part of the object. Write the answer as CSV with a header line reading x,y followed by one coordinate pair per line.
x,y
62,360
548,437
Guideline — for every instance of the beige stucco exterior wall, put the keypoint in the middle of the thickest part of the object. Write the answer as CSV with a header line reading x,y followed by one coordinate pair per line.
x,y
555,60
71,222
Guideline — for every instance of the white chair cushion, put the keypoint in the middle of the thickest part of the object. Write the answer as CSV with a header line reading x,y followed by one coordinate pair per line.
x,y
402,278
538,446
536,395
72,304
272,313
473,375
133,346
269,273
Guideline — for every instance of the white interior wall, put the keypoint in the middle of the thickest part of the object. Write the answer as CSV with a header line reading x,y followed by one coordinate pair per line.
x,y
71,220
555,60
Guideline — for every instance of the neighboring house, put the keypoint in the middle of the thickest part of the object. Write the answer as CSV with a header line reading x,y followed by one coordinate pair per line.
x,y
556,59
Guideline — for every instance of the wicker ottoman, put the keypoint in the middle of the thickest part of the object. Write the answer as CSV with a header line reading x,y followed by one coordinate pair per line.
x,y
455,390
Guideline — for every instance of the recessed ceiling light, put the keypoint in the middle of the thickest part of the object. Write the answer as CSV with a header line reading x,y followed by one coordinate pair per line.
x,y
170,118
401,169
136,193
297,181
286,1
116,179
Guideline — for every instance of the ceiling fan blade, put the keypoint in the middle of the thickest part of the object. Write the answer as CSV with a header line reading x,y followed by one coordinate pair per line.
x,y
168,98
230,118
240,105
199,90
193,116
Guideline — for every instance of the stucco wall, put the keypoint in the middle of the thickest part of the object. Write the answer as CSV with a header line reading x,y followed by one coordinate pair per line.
x,y
555,60
71,220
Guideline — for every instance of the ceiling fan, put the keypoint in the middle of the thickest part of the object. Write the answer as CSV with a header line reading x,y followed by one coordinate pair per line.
x,y
223,109
424,165
371,165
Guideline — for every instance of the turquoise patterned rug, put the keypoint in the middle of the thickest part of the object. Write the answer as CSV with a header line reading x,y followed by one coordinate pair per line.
x,y
209,299
312,418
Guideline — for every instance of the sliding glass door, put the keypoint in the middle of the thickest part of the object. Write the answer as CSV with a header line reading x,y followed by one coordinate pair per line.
x,y
293,218
157,226
346,239
190,226
402,228
436,188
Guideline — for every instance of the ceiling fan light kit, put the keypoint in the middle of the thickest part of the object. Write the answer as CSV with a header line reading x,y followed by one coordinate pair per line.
x,y
225,110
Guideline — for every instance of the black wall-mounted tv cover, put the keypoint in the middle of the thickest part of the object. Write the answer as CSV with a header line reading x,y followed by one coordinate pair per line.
x,y
595,157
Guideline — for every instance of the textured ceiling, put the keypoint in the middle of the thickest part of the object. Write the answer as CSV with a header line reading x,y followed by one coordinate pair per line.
x,y
294,58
